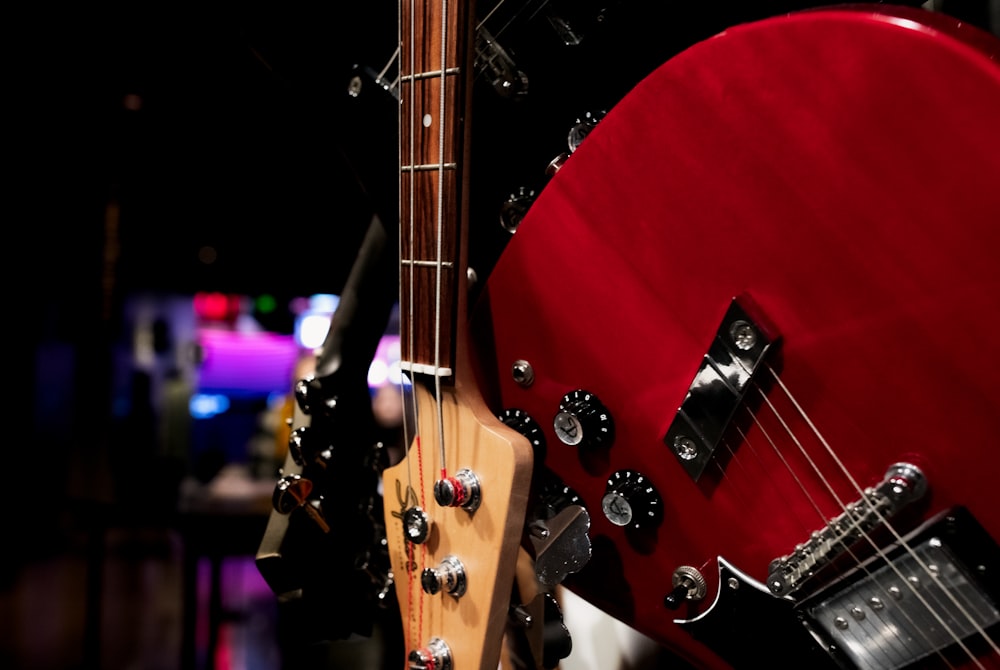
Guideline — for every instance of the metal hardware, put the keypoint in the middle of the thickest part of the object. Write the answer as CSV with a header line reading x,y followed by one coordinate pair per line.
x,y
448,576
741,344
855,616
903,483
562,544
523,373
463,490
435,656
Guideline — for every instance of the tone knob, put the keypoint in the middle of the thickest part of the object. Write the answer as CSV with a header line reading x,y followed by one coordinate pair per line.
x,y
632,501
584,421
435,656
522,422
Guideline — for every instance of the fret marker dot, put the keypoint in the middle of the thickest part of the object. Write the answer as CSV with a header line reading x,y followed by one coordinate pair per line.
x,y
427,120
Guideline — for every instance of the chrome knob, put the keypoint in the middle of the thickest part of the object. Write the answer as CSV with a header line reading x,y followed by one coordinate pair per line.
x,y
435,656
462,490
449,576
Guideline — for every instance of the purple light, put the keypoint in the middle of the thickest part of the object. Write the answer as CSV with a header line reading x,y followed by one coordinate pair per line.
x,y
247,362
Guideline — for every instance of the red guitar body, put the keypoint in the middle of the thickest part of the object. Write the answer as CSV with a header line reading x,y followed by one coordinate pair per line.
x,y
840,170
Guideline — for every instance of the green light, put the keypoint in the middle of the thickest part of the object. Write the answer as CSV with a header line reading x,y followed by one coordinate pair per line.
x,y
265,304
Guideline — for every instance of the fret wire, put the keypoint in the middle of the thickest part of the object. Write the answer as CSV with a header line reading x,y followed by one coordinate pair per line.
x,y
427,167
433,74
426,264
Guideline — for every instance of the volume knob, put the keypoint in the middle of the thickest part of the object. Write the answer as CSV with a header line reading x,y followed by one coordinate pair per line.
x,y
632,501
584,421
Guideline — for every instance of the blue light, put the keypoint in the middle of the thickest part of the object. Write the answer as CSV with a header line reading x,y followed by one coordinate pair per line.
x,y
207,405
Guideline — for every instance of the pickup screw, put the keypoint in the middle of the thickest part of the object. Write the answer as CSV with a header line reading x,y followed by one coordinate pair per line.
x,y
744,335
685,447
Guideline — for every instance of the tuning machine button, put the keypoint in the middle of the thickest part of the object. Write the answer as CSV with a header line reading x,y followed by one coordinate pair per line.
x,y
632,501
584,125
463,490
584,421
304,449
310,396
291,493
578,132
448,576
435,656
515,207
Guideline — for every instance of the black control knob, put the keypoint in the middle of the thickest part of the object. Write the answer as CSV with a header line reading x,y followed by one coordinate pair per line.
x,y
522,422
632,501
584,421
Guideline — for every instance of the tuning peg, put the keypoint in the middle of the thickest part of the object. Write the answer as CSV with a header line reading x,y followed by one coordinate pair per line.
x,y
463,490
435,656
449,575
304,449
310,396
292,492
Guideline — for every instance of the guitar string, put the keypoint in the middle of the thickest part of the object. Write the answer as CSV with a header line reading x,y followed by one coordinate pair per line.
x,y
948,593
439,266
890,657
864,535
805,454
414,439
824,519
884,522
896,535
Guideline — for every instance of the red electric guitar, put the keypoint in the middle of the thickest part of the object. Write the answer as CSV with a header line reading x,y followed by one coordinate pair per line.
x,y
754,315
455,504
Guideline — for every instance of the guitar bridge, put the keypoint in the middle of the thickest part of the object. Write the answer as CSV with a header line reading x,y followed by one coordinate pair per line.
x,y
741,344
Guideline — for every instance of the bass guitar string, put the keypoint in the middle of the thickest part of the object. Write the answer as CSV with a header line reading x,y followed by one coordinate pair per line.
x,y
884,522
824,519
439,265
411,434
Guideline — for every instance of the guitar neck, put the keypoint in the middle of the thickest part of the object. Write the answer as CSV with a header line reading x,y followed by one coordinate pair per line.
x,y
434,83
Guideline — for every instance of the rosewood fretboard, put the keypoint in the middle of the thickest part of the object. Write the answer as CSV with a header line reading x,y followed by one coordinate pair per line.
x,y
433,89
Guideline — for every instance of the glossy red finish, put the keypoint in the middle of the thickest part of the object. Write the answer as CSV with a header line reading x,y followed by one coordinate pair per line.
x,y
840,166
